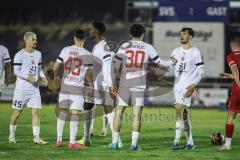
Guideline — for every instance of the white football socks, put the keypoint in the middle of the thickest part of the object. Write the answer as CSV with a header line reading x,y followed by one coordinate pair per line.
x,y
36,131
87,124
115,137
73,128
110,117
92,126
188,133
178,131
12,129
60,125
135,136
228,142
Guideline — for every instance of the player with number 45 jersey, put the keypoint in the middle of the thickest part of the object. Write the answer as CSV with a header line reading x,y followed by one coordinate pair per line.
x,y
29,73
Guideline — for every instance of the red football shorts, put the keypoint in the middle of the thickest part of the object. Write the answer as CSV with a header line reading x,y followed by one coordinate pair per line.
x,y
234,101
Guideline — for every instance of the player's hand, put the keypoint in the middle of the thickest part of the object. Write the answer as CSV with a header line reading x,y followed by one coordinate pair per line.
x,y
57,83
91,92
113,90
7,81
225,75
31,78
42,82
238,84
190,90
174,61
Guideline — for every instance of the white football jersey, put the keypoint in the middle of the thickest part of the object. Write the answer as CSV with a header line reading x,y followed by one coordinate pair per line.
x,y
101,63
26,63
4,58
185,69
135,57
75,61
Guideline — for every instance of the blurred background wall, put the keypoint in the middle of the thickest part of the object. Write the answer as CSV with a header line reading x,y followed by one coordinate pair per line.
x,y
215,22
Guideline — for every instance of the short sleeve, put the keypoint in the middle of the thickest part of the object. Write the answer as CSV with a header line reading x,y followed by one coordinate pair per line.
x,y
17,60
88,61
199,59
152,53
60,58
230,60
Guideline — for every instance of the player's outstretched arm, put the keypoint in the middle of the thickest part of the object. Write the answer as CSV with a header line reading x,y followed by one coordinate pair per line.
x,y
154,57
225,76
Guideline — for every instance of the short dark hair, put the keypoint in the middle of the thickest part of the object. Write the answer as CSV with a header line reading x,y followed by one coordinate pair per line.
x,y
136,30
80,34
189,30
235,40
100,27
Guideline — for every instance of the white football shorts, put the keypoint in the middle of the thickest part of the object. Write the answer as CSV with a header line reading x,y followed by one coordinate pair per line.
x,y
67,100
22,98
180,99
131,96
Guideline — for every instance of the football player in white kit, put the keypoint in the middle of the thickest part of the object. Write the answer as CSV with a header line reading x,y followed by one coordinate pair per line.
x,y
101,63
133,57
77,65
189,71
5,67
28,69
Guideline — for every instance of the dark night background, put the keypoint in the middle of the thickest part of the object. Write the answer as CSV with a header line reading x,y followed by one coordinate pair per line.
x,y
26,11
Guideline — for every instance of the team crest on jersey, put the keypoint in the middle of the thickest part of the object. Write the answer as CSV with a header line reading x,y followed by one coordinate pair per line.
x,y
182,58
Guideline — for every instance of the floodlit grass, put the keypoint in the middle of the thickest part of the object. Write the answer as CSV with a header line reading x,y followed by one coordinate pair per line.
x,y
156,136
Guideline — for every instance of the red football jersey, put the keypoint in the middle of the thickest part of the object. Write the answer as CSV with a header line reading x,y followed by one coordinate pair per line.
x,y
234,58
234,101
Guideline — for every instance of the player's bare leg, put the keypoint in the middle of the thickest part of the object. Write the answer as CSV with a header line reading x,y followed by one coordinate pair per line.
x,y
13,125
229,128
188,129
117,124
136,125
60,125
87,118
110,116
36,126
179,125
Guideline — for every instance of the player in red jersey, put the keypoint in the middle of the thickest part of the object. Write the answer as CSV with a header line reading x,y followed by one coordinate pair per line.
x,y
233,60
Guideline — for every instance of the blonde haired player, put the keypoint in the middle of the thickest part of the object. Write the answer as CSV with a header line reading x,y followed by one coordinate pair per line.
x,y
189,71
28,69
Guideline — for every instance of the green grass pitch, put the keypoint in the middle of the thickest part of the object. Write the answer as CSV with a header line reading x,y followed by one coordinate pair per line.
x,y
156,136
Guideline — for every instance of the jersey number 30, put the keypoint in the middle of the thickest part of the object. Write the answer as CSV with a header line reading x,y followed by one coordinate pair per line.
x,y
135,58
